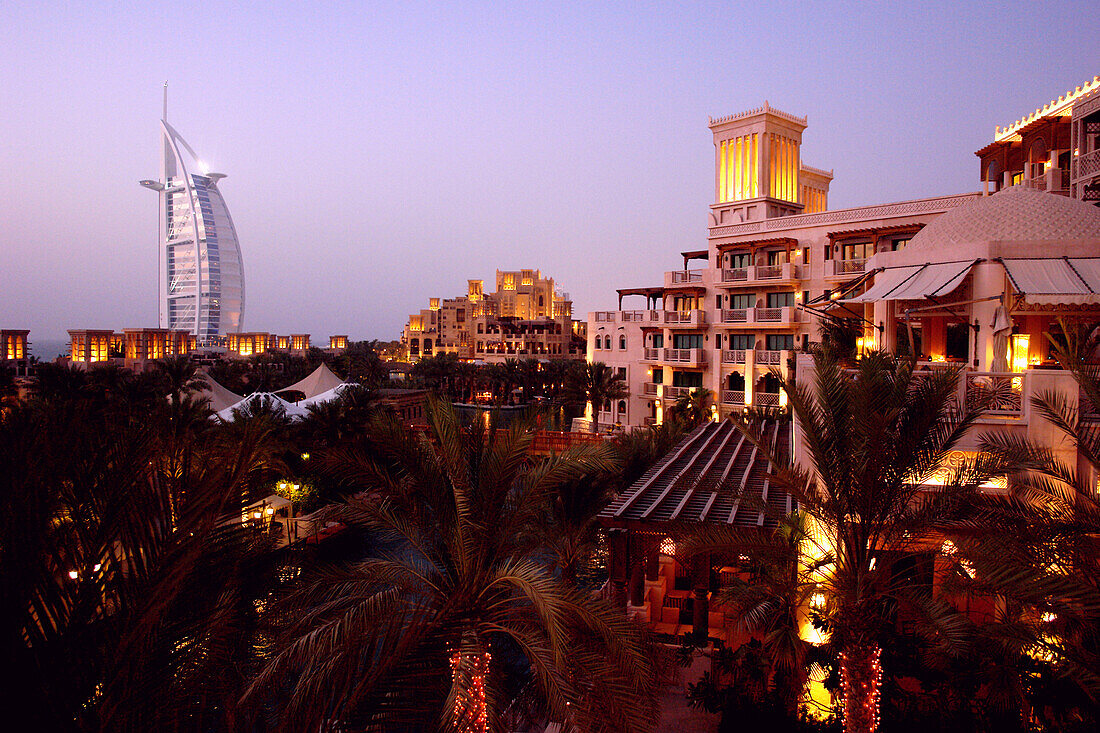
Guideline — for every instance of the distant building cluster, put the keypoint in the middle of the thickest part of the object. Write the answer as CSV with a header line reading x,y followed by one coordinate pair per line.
x,y
778,264
524,318
136,348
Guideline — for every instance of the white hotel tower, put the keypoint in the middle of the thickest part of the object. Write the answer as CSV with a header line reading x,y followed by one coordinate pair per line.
x,y
201,277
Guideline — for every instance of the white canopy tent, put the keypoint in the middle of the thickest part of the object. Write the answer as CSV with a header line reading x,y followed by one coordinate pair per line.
x,y
319,381
220,397
255,399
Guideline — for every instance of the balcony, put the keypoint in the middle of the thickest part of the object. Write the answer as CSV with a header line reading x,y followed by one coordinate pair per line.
x,y
843,269
650,389
1054,180
772,317
757,274
685,357
684,319
761,357
734,397
1085,165
683,277
674,393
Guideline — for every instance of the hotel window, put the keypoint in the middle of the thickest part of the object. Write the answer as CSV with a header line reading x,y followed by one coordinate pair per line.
x,y
856,250
828,252
780,300
622,343
738,260
658,340
740,341
687,341
898,244
622,407
805,296
740,301
658,376
622,373
718,341
779,341
777,258
718,301
687,379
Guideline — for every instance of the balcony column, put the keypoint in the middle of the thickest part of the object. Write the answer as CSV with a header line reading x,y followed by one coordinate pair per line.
x,y
750,372
619,548
700,586
988,280
885,316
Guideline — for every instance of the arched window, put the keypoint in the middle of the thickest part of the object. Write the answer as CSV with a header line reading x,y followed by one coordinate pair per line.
x,y
993,176
427,345
622,342
1037,157
736,381
622,407
541,303
607,342
607,405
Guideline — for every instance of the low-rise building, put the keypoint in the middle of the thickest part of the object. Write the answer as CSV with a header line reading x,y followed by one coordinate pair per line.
x,y
526,317
14,351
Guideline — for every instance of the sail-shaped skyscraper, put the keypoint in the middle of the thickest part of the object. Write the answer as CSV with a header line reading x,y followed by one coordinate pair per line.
x,y
201,276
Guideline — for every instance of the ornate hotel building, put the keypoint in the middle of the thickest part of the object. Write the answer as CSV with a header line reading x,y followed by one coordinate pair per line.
x,y
778,260
526,317
201,276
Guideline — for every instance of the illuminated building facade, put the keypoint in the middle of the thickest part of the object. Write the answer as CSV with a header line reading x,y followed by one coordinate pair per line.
x,y
771,270
774,251
14,352
526,317
200,276
250,344
1056,148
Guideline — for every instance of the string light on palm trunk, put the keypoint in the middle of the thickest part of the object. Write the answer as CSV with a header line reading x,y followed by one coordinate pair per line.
x,y
470,708
861,681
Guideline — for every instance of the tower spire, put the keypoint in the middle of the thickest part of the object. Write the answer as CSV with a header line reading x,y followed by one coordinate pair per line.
x,y
165,115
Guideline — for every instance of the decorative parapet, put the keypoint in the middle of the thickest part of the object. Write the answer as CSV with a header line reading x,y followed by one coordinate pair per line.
x,y
1054,107
844,216
817,171
766,109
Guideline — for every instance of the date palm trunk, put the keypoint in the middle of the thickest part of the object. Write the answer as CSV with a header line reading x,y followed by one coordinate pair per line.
x,y
861,681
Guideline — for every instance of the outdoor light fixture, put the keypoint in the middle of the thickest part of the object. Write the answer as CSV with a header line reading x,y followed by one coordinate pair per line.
x,y
73,575
1020,344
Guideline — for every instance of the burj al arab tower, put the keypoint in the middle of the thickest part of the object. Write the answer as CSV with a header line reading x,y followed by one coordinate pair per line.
x,y
201,276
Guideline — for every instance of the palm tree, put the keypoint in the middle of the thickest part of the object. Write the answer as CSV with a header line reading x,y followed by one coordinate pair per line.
x,y
693,408
531,377
129,594
873,438
595,383
1042,553
412,636
181,376
772,598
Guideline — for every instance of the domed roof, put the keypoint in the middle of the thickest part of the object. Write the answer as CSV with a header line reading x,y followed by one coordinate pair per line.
x,y
1017,214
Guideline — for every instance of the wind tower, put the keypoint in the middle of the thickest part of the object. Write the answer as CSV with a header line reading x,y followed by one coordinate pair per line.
x,y
758,170
200,273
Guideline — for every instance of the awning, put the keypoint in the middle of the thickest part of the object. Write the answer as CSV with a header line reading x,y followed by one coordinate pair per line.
x,y
1055,280
915,282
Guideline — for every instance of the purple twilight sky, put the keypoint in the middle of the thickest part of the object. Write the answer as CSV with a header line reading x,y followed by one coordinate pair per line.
x,y
381,153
